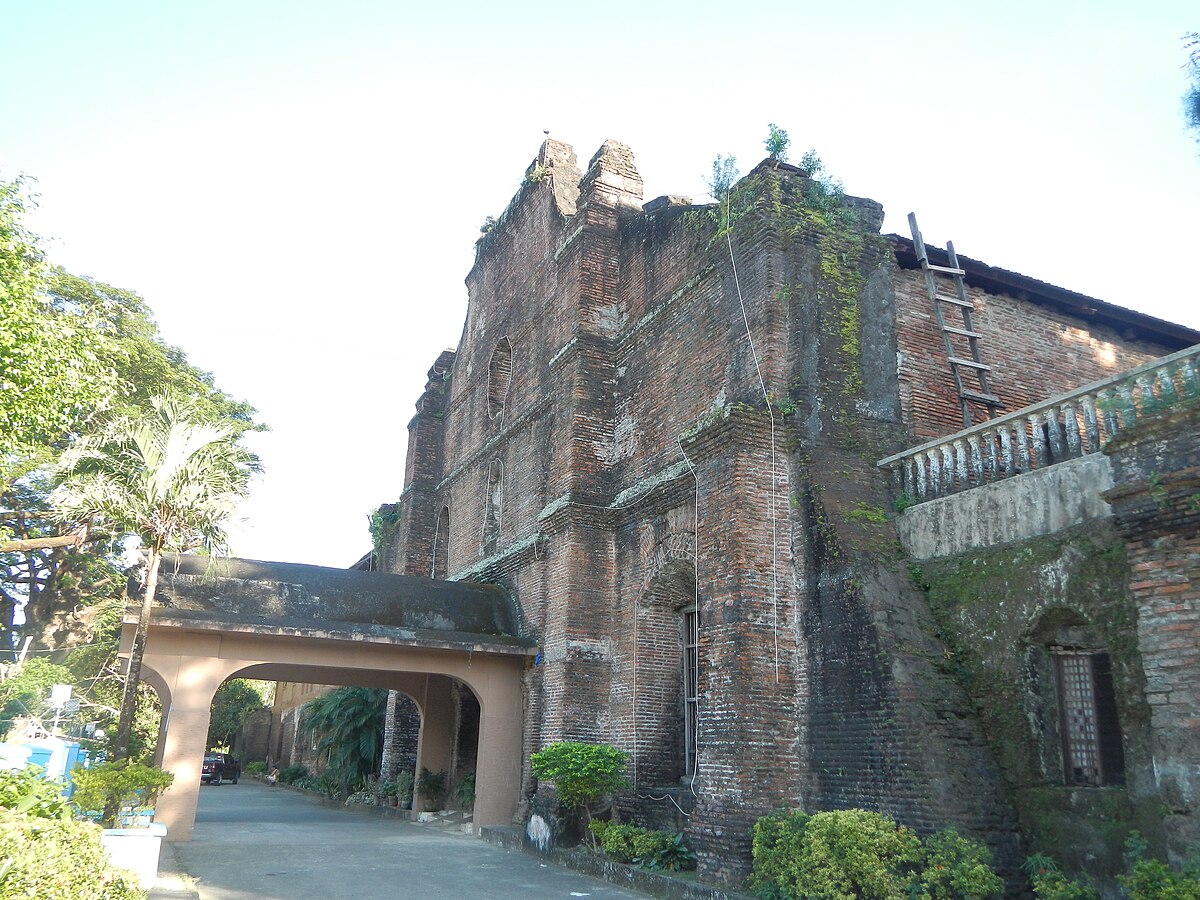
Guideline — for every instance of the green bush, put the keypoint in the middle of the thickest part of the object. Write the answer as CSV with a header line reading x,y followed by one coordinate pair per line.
x,y
1150,879
114,785
58,859
463,792
582,773
292,774
1050,883
644,847
953,866
256,769
844,854
26,791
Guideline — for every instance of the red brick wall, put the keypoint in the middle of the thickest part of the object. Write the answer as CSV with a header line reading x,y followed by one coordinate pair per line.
x,y
643,467
1156,473
1034,351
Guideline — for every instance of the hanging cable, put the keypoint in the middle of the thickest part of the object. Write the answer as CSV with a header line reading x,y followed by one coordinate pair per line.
x,y
770,412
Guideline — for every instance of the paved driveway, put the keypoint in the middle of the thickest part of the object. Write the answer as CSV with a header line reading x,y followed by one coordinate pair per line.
x,y
252,841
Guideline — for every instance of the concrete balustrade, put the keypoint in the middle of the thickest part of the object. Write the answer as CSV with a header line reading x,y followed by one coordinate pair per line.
x,y
1064,427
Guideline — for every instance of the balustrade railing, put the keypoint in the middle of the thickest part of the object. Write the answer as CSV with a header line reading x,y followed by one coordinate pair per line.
x,y
1064,427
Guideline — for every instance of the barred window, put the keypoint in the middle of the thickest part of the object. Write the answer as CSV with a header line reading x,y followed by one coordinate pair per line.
x,y
1088,725
691,688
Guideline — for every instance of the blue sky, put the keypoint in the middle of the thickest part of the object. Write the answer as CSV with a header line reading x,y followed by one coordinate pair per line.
x,y
296,188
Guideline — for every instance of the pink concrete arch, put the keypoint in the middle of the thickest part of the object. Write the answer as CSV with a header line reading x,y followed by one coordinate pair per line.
x,y
188,661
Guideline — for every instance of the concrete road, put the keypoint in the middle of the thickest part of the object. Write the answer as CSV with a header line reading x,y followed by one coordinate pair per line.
x,y
252,841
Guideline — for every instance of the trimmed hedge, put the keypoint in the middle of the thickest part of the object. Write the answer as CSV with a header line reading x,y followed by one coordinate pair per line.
x,y
854,853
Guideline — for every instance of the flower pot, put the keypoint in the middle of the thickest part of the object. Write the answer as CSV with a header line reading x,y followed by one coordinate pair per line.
x,y
135,849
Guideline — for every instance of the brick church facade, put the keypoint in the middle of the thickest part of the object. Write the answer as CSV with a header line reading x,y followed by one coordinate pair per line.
x,y
660,434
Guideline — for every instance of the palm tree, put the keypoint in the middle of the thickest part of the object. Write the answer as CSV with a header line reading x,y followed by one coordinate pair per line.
x,y
166,476
348,723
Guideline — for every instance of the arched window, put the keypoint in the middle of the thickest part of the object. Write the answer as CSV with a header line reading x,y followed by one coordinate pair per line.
x,y
499,377
441,545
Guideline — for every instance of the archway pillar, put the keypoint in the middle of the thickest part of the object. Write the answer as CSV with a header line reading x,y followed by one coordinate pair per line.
x,y
192,681
437,722
498,767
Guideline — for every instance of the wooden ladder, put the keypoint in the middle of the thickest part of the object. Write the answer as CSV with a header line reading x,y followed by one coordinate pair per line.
x,y
970,360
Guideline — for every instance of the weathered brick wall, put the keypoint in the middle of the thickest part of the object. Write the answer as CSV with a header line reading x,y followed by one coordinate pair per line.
x,y
1000,608
672,435
1034,352
1156,507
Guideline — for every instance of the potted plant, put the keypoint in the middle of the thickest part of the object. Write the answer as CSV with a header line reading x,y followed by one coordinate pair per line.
x,y
463,792
432,788
124,793
388,790
404,788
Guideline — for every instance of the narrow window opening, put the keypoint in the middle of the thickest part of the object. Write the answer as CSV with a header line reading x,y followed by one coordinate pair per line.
x,y
691,690
493,505
499,377
441,545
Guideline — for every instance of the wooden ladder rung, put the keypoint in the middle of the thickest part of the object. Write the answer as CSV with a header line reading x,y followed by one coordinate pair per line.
x,y
955,361
982,398
948,270
946,298
962,331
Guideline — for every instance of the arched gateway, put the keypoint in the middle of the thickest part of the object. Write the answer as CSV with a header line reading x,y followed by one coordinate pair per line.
x,y
216,618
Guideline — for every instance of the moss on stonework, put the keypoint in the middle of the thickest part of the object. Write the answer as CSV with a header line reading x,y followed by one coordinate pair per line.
x,y
987,605
802,210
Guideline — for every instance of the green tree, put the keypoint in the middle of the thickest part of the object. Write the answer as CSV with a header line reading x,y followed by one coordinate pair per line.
x,y
26,692
232,705
51,373
582,773
348,724
166,476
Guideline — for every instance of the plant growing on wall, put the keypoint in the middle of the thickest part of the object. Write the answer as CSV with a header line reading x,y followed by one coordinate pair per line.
x,y
582,773
777,142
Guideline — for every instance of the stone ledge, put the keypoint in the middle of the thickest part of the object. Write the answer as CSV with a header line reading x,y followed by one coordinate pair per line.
x,y
656,884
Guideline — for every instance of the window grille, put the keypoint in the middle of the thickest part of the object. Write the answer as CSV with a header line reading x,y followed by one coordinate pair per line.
x,y
691,688
1091,734
1077,703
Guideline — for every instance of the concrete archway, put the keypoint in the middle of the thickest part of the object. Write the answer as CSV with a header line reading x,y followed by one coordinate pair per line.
x,y
286,622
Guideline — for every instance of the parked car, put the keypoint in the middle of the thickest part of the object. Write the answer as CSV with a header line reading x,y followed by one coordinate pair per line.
x,y
219,767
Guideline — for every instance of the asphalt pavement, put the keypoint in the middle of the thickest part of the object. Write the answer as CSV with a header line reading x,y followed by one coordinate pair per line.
x,y
252,841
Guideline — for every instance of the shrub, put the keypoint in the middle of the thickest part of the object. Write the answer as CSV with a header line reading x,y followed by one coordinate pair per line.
x,y
845,854
463,792
58,859
256,769
432,786
1050,883
582,773
954,866
114,785
293,774
26,791
644,847
404,784
1150,879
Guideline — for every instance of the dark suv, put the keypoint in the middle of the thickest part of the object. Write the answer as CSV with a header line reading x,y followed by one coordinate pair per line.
x,y
219,767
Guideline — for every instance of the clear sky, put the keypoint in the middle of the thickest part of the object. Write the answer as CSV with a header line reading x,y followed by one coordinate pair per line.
x,y
296,187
